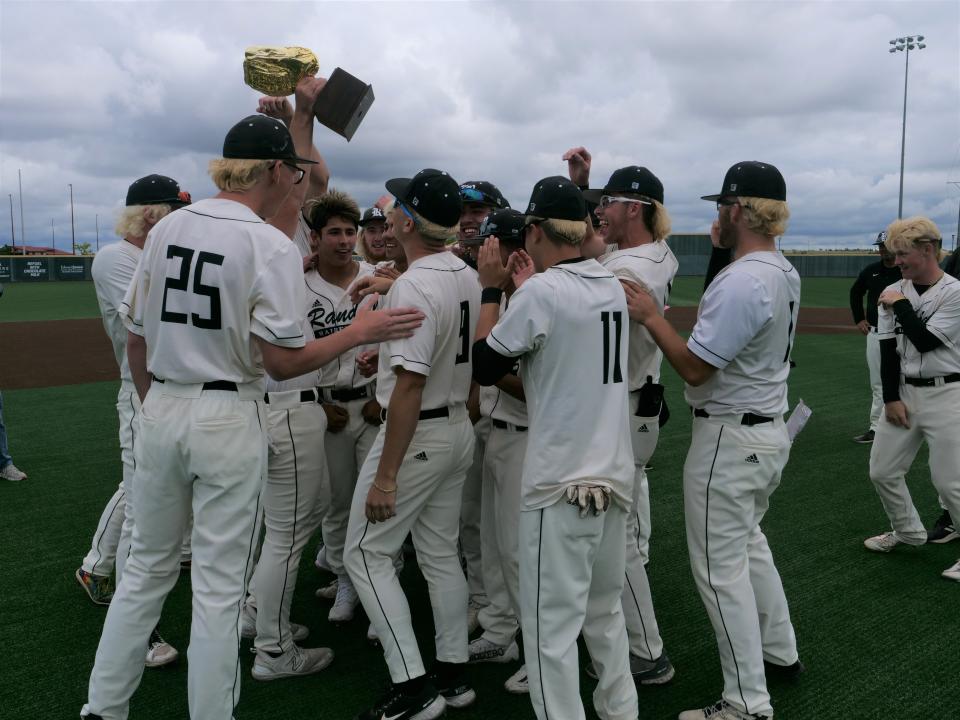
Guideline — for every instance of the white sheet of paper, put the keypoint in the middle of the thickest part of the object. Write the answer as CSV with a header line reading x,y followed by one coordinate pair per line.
x,y
798,418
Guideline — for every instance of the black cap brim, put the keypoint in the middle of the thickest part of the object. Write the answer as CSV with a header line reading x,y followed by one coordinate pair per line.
x,y
398,186
711,198
593,196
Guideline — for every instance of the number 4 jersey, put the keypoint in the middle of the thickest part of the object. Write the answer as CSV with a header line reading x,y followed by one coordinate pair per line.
x,y
745,328
211,275
447,292
570,325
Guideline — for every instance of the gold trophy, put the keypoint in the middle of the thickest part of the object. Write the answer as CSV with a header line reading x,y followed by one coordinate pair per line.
x,y
340,106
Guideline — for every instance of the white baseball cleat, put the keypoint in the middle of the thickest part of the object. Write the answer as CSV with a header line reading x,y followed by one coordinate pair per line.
x,y
517,683
882,543
720,711
482,650
473,615
328,592
160,652
372,635
345,604
321,561
12,473
952,572
294,662
248,631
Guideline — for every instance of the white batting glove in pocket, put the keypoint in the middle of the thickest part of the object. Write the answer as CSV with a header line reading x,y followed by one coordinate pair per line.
x,y
586,497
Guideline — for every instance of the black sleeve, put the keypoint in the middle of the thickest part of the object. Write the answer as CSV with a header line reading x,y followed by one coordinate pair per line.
x,y
914,328
719,259
952,265
489,366
857,291
889,370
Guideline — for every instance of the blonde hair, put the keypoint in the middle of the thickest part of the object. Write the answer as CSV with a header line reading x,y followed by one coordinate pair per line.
x,y
658,221
136,220
764,216
903,235
231,175
562,232
431,231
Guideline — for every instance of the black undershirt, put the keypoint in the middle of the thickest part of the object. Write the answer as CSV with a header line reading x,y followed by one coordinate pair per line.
x,y
916,331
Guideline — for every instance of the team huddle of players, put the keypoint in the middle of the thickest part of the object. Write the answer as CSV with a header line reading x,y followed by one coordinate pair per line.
x,y
498,407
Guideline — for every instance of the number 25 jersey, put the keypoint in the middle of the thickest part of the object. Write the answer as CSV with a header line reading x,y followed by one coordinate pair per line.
x,y
570,325
212,275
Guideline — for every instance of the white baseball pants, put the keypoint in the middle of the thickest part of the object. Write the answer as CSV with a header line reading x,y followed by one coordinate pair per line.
x,y
429,493
571,579
205,451
876,386
470,516
500,522
641,621
934,414
346,451
730,472
296,472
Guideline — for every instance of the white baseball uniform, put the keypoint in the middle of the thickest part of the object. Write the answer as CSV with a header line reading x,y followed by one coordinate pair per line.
x,y
430,479
212,275
570,326
112,270
298,487
654,265
745,328
933,408
331,310
506,446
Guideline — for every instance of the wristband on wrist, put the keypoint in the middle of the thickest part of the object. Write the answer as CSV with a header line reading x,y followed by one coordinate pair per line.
x,y
491,295
386,492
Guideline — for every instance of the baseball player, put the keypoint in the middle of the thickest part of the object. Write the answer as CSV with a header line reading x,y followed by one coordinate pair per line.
x,y
872,281
149,199
736,364
567,324
216,298
631,208
503,408
370,243
8,471
919,332
412,478
297,465
479,197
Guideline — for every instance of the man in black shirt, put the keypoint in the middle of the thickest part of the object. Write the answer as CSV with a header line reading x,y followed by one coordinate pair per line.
x,y
872,281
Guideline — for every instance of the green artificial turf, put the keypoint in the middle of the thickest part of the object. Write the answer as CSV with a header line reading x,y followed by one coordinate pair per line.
x,y
877,632
816,292
26,301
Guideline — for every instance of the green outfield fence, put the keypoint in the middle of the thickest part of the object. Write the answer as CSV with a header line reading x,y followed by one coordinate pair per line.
x,y
44,268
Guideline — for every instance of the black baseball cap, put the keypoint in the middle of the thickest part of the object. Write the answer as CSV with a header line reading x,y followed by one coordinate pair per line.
x,y
258,137
632,179
556,198
432,193
752,179
881,238
506,224
483,192
157,190
372,215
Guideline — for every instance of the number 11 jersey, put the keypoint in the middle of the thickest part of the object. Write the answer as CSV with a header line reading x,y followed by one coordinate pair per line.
x,y
212,275
570,325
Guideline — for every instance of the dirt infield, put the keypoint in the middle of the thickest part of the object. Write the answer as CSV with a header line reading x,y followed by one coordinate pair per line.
x,y
71,352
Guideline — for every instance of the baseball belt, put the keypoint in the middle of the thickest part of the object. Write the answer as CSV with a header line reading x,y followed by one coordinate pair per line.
x,y
305,396
345,395
212,385
748,419
508,426
424,414
930,382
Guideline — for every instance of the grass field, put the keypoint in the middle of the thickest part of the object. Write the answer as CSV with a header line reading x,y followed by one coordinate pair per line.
x,y
70,300
877,633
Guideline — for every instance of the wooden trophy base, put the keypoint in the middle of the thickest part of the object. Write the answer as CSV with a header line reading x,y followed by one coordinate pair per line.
x,y
343,103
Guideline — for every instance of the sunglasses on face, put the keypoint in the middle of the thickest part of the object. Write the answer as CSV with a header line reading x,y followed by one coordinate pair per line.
x,y
298,171
608,200
725,202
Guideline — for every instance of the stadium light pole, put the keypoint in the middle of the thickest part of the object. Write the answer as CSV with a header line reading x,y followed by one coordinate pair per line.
x,y
905,45
73,230
96,220
23,235
53,236
13,237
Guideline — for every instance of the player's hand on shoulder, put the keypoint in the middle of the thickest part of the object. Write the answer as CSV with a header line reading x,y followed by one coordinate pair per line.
x,y
578,160
640,303
521,268
888,297
367,362
371,412
897,414
490,267
337,417
368,285
376,326
390,273
864,327
276,107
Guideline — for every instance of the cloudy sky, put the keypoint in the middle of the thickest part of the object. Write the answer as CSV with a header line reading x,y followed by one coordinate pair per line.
x,y
99,93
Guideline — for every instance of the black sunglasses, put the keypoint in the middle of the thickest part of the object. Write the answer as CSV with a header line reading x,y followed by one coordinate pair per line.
x,y
300,172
